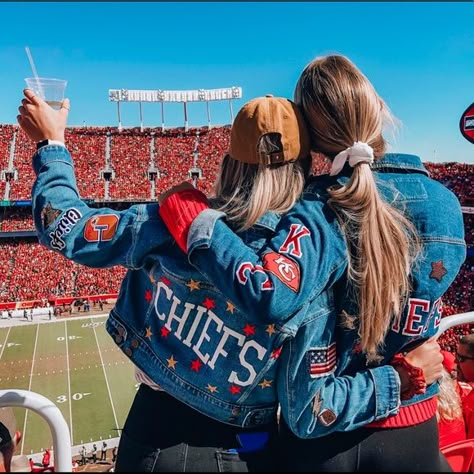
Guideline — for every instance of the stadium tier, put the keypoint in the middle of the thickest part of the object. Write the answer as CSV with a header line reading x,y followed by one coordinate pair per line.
x,y
117,168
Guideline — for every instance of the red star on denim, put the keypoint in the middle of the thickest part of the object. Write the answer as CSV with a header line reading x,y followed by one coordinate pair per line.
x,y
209,304
196,365
234,390
438,271
276,353
357,349
165,281
249,330
148,295
164,331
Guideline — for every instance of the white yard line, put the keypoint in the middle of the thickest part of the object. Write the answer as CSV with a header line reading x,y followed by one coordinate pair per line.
x,y
29,387
106,379
5,342
68,383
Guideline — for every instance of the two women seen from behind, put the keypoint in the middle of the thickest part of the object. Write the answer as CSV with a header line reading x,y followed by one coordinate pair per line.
x,y
363,259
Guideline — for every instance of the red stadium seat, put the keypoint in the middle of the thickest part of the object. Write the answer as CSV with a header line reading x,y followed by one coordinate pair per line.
x,y
460,455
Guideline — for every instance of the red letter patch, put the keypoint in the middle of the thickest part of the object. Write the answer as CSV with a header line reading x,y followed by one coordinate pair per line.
x,y
292,244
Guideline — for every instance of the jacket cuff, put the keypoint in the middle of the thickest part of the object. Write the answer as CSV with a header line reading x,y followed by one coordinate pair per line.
x,y
387,391
202,228
48,154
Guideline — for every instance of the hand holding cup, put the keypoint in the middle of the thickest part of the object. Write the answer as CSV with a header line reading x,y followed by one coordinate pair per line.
x,y
39,120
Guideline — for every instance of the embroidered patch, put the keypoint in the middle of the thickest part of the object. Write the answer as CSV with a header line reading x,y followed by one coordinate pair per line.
x,y
285,269
322,361
69,219
357,349
327,417
101,228
438,271
372,359
346,320
49,215
317,401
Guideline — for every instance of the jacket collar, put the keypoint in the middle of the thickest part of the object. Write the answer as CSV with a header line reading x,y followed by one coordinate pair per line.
x,y
400,161
269,220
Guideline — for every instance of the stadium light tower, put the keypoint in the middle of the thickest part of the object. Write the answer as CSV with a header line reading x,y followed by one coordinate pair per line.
x,y
183,96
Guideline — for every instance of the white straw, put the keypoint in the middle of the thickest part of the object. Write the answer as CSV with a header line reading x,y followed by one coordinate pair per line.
x,y
33,68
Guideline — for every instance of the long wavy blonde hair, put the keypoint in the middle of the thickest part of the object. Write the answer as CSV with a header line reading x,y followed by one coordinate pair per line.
x,y
449,400
245,191
342,107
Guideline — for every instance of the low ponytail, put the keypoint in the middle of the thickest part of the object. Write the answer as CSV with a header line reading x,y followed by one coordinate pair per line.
x,y
345,115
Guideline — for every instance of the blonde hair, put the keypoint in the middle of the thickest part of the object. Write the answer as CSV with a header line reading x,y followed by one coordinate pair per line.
x,y
449,401
246,191
342,107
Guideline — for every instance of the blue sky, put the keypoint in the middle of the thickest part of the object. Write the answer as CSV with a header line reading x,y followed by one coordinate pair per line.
x,y
419,56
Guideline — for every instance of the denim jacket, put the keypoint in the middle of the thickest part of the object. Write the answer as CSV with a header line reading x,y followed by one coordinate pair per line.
x,y
298,280
178,328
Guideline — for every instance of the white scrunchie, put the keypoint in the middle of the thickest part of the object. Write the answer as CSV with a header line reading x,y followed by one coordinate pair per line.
x,y
360,152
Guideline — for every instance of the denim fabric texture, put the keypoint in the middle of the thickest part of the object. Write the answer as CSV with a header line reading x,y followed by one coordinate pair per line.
x,y
173,324
298,282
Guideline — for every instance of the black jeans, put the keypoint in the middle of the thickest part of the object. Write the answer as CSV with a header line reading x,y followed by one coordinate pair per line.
x,y
162,434
411,449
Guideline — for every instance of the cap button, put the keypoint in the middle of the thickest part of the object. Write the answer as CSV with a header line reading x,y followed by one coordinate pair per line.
x,y
268,95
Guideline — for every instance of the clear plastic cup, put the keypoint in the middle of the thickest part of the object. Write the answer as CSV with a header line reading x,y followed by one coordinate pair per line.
x,y
49,89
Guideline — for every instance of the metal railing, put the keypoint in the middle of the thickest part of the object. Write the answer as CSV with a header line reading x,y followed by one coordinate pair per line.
x,y
455,320
53,416
60,430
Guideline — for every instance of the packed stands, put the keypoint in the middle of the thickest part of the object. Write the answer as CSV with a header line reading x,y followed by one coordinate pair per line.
x,y
117,168
6,139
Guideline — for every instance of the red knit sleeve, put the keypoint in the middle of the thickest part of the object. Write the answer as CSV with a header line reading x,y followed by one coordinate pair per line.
x,y
178,212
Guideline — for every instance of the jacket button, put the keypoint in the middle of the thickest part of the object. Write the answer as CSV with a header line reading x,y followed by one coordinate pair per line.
x,y
128,351
135,343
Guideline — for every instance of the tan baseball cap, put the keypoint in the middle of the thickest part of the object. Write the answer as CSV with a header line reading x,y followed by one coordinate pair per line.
x,y
269,115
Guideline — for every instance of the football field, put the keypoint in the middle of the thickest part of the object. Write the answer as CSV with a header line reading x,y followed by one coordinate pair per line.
x,y
74,363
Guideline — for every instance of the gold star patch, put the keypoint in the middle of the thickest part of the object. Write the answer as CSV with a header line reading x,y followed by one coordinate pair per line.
x,y
270,329
438,271
265,383
317,403
171,362
347,321
49,215
230,307
193,285
148,333
372,359
212,388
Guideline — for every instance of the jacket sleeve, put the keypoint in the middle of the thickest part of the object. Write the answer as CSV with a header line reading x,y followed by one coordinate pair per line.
x,y
316,401
101,237
374,391
306,254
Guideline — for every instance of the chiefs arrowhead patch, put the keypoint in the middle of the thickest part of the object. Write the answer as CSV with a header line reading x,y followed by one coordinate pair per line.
x,y
284,268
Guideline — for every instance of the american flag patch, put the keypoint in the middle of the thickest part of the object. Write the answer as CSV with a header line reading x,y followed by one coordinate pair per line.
x,y
322,361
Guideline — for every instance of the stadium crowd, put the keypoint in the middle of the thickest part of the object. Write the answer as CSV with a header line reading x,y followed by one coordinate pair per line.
x,y
131,154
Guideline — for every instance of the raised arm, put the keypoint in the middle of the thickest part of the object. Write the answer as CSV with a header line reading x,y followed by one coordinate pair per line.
x,y
64,223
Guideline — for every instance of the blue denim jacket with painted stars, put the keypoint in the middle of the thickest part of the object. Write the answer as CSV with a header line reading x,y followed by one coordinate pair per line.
x,y
326,383
174,325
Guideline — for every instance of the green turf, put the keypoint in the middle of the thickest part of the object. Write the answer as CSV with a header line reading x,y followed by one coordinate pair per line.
x,y
75,364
